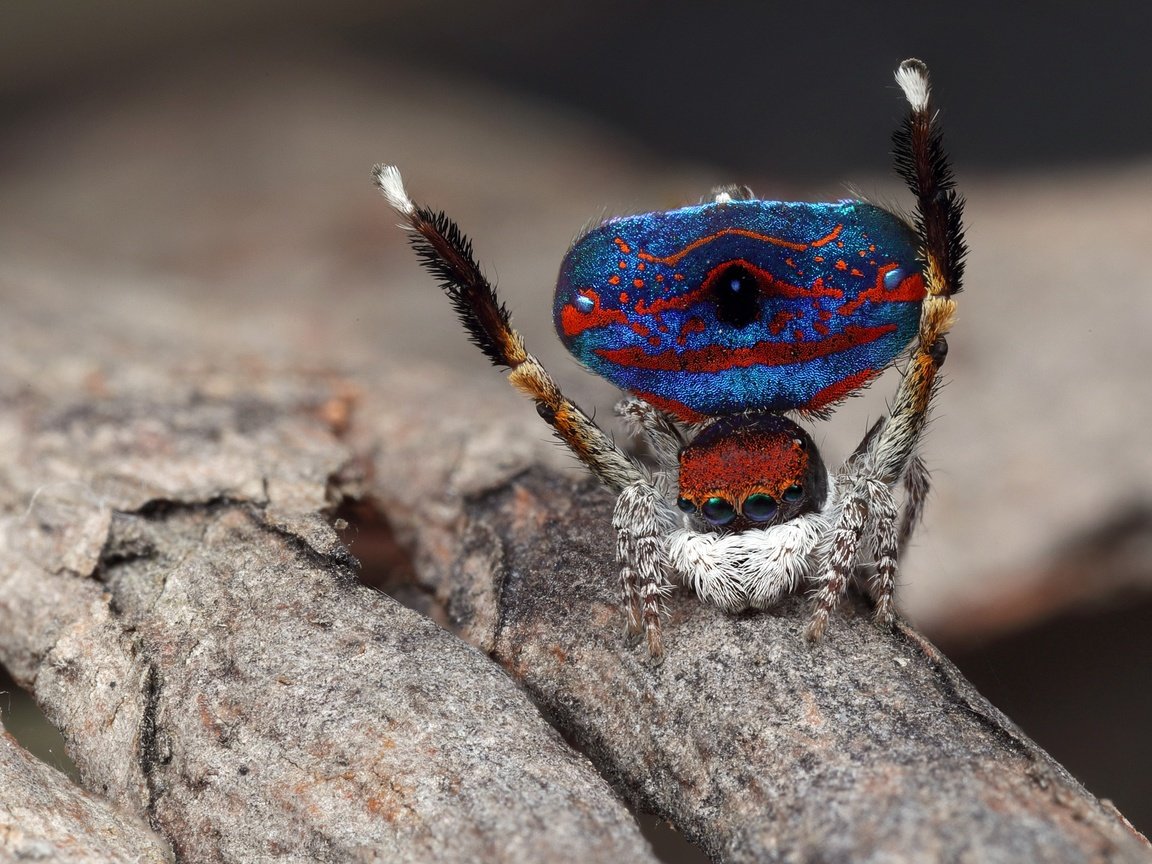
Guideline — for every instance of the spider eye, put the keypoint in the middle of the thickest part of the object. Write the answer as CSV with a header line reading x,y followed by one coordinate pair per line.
x,y
718,511
760,507
793,494
685,505
737,296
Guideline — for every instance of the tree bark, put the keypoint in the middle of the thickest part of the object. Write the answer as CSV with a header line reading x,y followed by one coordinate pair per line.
x,y
45,817
172,589
186,414
182,609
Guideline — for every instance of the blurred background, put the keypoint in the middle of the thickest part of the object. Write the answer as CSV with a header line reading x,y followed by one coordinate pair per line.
x,y
210,163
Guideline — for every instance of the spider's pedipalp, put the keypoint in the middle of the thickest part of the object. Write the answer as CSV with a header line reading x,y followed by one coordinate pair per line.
x,y
783,558
643,520
701,561
755,568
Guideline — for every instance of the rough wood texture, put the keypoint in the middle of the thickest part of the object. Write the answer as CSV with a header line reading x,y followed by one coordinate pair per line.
x,y
188,619
206,649
45,817
214,664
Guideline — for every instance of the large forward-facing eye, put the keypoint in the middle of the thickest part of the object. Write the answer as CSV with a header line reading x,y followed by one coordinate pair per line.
x,y
760,507
737,294
718,511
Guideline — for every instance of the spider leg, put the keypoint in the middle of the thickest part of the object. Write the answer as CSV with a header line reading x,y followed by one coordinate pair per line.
x,y
446,253
888,453
916,485
661,433
842,550
643,520
629,587
922,163
882,583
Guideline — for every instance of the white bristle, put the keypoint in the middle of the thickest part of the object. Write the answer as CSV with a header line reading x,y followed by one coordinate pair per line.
x,y
388,178
912,76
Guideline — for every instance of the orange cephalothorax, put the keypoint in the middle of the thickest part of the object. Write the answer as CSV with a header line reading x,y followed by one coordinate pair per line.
x,y
751,471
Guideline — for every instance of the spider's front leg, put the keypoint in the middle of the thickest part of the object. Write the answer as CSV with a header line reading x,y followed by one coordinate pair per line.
x,y
642,516
863,503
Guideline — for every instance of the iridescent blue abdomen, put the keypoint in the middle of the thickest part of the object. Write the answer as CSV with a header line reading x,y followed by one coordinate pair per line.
x,y
727,307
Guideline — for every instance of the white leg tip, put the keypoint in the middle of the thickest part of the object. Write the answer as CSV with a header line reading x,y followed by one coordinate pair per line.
x,y
390,182
912,76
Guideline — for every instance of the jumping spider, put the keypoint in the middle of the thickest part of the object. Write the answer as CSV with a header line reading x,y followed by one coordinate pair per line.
x,y
719,319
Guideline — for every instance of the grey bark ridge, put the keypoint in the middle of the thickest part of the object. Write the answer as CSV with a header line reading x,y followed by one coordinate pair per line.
x,y
189,620
44,816
759,746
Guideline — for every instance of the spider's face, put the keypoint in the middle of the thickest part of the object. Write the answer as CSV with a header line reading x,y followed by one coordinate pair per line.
x,y
751,471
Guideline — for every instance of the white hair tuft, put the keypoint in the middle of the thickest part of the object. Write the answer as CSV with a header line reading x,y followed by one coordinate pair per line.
x,y
388,178
912,76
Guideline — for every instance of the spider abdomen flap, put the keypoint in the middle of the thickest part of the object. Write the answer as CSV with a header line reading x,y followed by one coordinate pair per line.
x,y
733,306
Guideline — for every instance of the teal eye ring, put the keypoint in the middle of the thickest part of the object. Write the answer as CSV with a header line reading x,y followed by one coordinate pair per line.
x,y
793,494
718,511
760,507
685,505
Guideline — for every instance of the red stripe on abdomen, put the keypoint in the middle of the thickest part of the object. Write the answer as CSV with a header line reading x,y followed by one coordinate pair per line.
x,y
716,358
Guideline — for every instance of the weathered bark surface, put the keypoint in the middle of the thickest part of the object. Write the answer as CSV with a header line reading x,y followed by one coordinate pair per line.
x,y
45,817
189,620
172,589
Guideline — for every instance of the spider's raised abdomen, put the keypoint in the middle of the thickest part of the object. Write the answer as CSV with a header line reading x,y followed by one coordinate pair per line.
x,y
742,305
